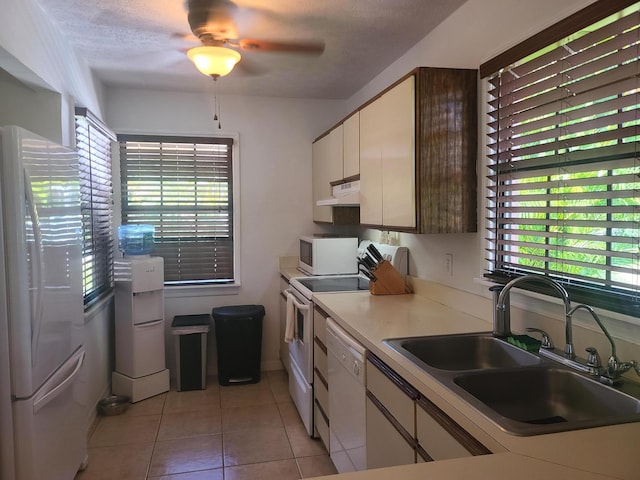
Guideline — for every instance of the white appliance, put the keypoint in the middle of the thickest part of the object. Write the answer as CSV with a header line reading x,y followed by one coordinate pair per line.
x,y
323,254
140,355
347,395
300,316
43,410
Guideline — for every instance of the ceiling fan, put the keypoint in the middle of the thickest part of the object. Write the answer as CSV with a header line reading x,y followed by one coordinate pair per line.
x,y
213,23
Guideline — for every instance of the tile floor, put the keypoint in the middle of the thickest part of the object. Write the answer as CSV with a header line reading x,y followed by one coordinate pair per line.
x,y
237,432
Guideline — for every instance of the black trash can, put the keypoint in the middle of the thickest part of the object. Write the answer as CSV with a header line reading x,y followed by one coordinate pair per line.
x,y
239,343
190,333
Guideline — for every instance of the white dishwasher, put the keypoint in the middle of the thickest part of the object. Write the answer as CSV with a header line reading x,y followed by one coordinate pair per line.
x,y
347,395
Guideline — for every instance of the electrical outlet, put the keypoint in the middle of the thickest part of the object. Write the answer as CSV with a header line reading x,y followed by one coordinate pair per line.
x,y
448,263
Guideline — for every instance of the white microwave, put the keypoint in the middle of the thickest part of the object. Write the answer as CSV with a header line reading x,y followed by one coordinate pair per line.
x,y
328,255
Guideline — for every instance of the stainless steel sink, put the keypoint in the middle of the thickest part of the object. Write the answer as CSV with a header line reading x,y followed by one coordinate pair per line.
x,y
524,393
545,399
463,352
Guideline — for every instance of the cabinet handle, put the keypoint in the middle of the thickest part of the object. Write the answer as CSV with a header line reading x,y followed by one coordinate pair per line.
x,y
387,414
397,380
463,437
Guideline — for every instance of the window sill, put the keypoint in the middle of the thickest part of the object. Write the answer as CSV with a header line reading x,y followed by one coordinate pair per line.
x,y
175,291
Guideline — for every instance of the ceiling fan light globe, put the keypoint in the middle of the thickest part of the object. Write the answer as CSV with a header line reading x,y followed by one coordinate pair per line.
x,y
214,61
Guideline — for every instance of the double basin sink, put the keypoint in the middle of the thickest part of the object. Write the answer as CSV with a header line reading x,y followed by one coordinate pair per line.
x,y
520,391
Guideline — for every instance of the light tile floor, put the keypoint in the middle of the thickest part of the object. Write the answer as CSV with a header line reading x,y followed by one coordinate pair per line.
x,y
236,432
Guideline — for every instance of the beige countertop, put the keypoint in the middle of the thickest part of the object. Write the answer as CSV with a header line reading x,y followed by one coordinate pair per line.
x,y
500,466
371,319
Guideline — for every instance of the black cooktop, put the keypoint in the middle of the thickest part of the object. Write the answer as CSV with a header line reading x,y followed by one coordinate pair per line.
x,y
335,284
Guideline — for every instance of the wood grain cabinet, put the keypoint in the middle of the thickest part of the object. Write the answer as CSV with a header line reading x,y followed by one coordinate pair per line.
x,y
404,426
418,149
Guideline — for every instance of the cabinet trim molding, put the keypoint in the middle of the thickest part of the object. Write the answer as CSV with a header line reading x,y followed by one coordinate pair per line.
x,y
320,345
423,453
389,416
321,377
397,380
321,410
463,437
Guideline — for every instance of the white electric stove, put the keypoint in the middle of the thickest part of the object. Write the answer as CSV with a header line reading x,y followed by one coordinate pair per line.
x,y
300,292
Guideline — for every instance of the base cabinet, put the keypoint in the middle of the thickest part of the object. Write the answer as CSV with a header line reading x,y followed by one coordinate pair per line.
x,y
320,377
403,426
440,438
387,445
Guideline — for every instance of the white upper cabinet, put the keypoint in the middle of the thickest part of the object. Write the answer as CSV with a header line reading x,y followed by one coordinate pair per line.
x,y
351,146
387,158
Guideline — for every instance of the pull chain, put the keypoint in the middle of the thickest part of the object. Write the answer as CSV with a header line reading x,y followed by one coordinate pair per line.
x,y
216,104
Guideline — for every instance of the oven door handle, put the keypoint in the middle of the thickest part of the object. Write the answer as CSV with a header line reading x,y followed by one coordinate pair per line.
x,y
298,305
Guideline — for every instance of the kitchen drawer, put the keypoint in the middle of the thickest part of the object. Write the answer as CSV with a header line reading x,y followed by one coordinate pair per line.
x,y
321,392
441,437
386,446
397,396
320,360
322,424
320,324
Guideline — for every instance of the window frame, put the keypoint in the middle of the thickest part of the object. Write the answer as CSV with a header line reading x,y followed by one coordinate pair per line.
x,y
615,300
177,289
102,245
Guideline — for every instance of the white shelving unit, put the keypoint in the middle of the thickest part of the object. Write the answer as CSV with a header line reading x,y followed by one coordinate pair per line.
x,y
139,310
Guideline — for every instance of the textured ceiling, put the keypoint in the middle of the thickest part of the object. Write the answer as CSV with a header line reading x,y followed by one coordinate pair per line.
x,y
142,42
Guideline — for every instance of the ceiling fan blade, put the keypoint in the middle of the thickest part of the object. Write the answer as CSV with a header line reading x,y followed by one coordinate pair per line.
x,y
249,68
308,48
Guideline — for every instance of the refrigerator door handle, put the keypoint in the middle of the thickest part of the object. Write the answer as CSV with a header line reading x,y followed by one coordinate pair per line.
x,y
154,323
47,394
36,316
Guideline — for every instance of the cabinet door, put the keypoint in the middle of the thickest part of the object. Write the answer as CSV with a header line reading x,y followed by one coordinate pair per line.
x,y
351,145
371,164
320,177
386,447
398,156
441,437
335,155
387,158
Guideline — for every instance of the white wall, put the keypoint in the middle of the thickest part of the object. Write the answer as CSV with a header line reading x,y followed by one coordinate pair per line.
x,y
34,108
34,51
275,136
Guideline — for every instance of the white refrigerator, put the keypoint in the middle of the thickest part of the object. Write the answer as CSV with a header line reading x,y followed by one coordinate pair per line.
x,y
43,412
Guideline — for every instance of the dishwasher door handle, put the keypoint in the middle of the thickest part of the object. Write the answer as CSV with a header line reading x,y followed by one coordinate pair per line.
x,y
345,339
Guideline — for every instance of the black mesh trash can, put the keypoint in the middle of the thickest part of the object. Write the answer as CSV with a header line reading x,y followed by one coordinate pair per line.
x,y
239,343
190,333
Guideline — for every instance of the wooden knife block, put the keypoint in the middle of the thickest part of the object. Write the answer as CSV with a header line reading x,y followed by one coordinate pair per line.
x,y
388,281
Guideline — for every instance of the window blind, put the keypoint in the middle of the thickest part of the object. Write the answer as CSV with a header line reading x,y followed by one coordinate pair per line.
x,y
93,142
184,188
564,127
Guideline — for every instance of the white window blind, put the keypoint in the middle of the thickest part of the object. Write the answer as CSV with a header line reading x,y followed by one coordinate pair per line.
x,y
564,177
93,142
184,188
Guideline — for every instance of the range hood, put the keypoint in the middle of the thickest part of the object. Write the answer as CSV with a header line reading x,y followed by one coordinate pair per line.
x,y
344,195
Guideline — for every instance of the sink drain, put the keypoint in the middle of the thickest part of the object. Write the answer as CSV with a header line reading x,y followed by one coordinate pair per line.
x,y
547,420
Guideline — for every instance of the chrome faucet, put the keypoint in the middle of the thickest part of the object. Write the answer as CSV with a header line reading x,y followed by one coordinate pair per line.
x,y
610,375
501,321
